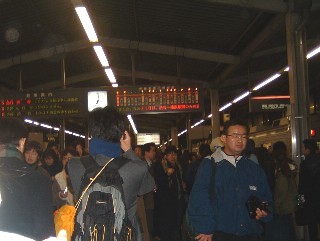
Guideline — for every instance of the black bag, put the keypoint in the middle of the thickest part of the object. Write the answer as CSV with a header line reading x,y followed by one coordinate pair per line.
x,y
302,214
101,214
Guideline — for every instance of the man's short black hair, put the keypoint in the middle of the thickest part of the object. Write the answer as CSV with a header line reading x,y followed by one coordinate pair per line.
x,y
235,122
311,145
34,145
12,130
106,123
147,147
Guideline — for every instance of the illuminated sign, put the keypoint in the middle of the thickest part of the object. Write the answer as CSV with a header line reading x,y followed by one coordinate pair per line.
x,y
43,103
269,103
77,102
158,99
143,138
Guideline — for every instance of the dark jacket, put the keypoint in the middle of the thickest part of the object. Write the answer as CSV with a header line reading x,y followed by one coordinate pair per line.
x,y
234,184
26,206
309,181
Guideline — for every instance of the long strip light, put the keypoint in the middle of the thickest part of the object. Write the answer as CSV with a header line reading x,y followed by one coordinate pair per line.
x,y
225,106
110,75
311,54
132,124
101,55
93,38
87,24
32,122
267,81
241,97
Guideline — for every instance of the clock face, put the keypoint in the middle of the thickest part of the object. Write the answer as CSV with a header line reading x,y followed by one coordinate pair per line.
x,y
97,99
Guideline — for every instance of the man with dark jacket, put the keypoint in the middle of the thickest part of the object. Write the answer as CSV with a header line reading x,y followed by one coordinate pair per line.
x,y
108,139
26,198
217,205
309,185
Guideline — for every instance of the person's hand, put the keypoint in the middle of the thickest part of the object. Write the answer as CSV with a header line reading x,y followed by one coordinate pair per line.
x,y
204,237
125,141
260,214
170,171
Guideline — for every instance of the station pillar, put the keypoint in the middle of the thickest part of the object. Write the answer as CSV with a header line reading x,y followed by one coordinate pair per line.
x,y
298,81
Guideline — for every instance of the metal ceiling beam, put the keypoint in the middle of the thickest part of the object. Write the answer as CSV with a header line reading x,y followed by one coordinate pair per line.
x,y
119,72
170,50
43,53
274,6
272,28
122,44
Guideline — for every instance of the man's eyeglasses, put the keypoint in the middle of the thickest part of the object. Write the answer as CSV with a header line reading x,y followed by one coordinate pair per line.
x,y
238,136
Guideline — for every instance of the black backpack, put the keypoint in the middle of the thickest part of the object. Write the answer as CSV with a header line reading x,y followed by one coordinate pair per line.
x,y
102,214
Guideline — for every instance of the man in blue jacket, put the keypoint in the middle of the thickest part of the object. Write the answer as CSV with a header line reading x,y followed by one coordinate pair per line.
x,y
218,201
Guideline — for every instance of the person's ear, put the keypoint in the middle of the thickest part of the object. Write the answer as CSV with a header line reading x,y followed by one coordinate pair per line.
x,y
223,138
22,141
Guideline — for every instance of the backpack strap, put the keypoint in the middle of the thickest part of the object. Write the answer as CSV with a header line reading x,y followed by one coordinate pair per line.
x,y
88,162
93,179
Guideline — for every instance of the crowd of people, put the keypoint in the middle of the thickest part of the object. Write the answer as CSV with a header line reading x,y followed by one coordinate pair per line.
x,y
230,190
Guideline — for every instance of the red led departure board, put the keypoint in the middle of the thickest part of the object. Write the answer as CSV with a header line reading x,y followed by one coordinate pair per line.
x,y
43,103
159,99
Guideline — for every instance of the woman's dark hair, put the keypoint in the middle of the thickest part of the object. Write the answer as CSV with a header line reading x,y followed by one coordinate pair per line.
x,y
51,153
279,154
204,150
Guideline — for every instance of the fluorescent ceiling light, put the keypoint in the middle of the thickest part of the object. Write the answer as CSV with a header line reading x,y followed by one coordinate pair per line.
x,y
286,69
182,132
241,97
115,85
196,124
101,56
209,116
132,124
110,75
87,24
46,126
225,106
313,52
267,81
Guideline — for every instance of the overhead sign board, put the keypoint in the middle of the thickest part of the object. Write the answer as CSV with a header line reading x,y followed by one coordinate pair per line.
x,y
77,102
155,99
143,138
55,103
269,103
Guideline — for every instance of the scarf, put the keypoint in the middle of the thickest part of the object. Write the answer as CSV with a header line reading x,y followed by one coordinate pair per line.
x,y
99,146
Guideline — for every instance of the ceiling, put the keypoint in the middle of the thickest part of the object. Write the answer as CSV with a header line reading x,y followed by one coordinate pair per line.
x,y
228,45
